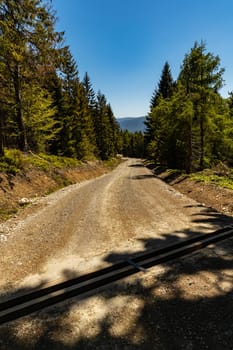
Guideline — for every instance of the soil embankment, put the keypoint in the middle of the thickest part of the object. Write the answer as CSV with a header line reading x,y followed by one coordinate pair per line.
x,y
17,191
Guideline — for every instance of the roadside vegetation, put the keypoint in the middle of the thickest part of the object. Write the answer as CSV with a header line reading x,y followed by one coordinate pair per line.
x,y
190,125
25,178
189,129
220,175
14,161
209,176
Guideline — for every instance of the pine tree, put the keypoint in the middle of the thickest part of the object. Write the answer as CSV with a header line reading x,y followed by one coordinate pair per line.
x,y
202,77
91,101
106,128
69,89
89,91
39,118
83,130
192,128
163,91
27,46
43,105
114,131
165,86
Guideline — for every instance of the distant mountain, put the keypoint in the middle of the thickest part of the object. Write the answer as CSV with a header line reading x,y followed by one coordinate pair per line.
x,y
132,124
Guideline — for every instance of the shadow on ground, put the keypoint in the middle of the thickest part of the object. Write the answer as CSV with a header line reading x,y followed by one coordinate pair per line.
x,y
136,165
142,177
168,177
184,304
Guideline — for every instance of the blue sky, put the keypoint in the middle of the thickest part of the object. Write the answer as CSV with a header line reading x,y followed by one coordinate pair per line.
x,y
123,44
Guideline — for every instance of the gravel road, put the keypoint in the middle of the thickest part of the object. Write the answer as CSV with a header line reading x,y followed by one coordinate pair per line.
x,y
90,225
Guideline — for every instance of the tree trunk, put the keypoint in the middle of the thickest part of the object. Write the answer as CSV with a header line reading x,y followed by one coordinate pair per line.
x,y
1,135
202,143
189,150
23,145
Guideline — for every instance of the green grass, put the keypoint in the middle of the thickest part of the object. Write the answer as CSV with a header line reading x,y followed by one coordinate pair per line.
x,y
12,162
219,180
15,161
5,214
112,162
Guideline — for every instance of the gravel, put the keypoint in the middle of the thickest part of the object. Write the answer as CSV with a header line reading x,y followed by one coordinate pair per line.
x,y
179,305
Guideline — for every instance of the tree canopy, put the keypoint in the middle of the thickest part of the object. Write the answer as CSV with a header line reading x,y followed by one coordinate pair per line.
x,y
191,127
43,105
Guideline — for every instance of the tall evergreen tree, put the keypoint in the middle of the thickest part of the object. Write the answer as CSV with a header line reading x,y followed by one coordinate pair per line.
x,y
91,101
201,75
165,86
114,130
43,105
28,43
69,89
106,128
163,91
89,91
39,119
190,129
83,131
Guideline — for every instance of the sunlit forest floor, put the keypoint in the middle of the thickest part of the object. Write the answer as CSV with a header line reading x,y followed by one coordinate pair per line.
x,y
209,193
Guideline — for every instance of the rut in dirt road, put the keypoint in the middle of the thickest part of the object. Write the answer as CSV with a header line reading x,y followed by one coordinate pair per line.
x,y
126,211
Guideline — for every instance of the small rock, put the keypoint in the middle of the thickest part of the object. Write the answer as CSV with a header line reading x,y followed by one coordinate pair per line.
x,y
24,201
3,238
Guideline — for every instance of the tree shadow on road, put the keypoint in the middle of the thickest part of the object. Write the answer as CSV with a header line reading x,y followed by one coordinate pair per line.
x,y
142,177
182,304
136,165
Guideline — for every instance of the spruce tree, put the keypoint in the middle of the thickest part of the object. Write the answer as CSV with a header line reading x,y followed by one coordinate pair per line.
x,y
91,101
165,86
83,132
27,48
89,91
106,128
163,91
201,75
69,89
192,128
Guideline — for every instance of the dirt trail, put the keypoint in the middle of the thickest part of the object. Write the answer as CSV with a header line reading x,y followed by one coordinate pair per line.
x,y
89,225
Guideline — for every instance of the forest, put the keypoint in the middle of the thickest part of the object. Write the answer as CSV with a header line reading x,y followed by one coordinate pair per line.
x,y
46,108
190,126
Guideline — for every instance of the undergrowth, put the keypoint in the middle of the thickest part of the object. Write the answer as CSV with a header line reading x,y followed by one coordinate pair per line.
x,y
219,180
62,170
220,175
112,162
14,161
